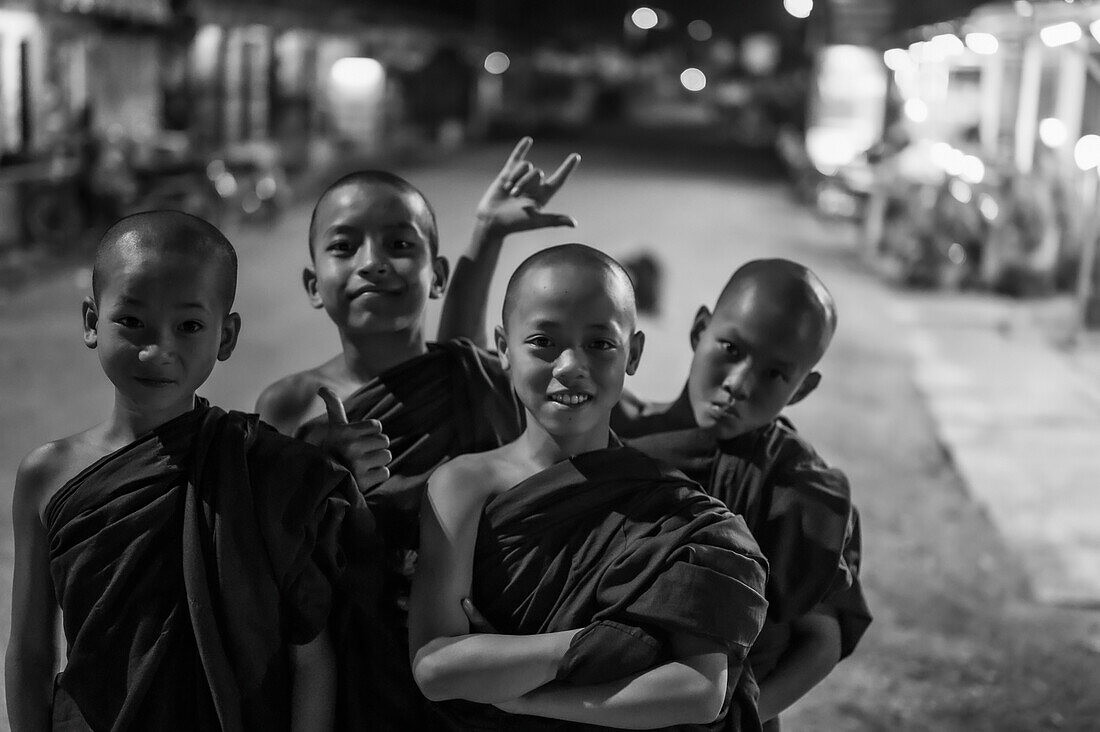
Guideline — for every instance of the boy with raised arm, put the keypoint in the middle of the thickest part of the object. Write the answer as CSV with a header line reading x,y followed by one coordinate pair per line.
x,y
374,264
753,356
193,553
626,596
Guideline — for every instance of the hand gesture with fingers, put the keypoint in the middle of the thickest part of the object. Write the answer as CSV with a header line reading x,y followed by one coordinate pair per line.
x,y
514,200
359,447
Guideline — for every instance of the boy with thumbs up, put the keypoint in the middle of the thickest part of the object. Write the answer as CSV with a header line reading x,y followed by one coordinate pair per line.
x,y
374,265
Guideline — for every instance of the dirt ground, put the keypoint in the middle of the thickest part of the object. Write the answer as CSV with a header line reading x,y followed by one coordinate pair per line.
x,y
957,644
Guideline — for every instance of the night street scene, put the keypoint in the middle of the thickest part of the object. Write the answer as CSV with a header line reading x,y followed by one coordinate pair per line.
x,y
912,544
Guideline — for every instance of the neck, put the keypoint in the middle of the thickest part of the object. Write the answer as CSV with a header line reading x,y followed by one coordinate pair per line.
x,y
367,356
130,421
544,449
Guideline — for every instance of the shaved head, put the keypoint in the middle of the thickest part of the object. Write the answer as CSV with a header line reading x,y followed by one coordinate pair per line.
x,y
171,233
368,178
617,281
781,285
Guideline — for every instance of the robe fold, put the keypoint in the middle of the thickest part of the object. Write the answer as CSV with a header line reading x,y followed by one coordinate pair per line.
x,y
797,507
453,400
186,562
614,535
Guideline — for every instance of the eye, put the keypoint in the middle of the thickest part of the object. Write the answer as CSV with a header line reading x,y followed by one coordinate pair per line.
x,y
776,374
340,247
129,321
191,326
402,245
730,348
540,341
602,344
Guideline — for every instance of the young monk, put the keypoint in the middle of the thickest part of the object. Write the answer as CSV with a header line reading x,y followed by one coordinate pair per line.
x,y
374,264
627,596
753,356
193,553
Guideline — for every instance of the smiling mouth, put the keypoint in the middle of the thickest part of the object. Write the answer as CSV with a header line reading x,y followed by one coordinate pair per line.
x,y
371,291
154,382
570,399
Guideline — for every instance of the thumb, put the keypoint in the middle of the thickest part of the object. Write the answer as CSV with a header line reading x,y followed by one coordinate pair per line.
x,y
545,220
333,405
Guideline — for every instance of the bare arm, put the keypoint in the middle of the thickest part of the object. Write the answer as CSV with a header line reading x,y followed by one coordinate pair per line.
x,y
313,682
512,203
448,661
31,660
688,690
814,651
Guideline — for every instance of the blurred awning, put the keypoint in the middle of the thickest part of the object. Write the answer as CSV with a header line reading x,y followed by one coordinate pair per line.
x,y
156,13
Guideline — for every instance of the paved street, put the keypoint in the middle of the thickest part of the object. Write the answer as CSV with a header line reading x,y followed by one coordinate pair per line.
x,y
958,641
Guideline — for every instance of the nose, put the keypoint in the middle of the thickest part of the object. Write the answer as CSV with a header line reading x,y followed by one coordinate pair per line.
x,y
570,364
372,259
161,348
739,381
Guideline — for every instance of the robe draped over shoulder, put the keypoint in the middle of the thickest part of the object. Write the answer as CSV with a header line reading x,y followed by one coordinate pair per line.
x,y
184,565
615,535
797,507
453,400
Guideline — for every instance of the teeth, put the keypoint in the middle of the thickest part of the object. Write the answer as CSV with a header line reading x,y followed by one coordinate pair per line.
x,y
570,399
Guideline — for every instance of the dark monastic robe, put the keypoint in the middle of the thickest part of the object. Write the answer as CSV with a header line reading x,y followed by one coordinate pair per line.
x,y
797,507
615,535
187,562
452,400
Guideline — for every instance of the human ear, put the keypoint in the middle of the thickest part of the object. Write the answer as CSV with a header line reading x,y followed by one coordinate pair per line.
x,y
441,272
634,355
309,281
702,320
502,347
231,330
808,385
90,315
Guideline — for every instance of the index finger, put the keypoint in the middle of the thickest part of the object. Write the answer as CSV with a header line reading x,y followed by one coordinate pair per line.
x,y
557,178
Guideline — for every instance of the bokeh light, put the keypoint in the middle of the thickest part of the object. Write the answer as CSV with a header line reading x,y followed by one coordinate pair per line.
x,y
497,62
799,8
916,110
693,79
700,30
985,44
1052,131
645,18
1060,34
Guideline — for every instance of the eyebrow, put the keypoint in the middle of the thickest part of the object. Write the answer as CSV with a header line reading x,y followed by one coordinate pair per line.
x,y
128,300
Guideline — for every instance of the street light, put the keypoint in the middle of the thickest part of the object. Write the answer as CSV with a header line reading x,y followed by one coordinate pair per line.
x,y
896,59
1094,29
700,30
1086,153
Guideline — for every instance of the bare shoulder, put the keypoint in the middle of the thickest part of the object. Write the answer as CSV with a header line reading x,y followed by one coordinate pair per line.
x,y
468,480
293,399
48,467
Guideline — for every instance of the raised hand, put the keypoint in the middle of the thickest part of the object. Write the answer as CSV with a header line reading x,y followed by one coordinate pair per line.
x,y
359,447
513,201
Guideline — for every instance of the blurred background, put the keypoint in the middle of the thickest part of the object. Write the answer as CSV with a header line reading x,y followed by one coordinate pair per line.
x,y
936,162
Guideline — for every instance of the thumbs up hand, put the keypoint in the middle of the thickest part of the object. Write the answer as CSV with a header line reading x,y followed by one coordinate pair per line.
x,y
360,447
